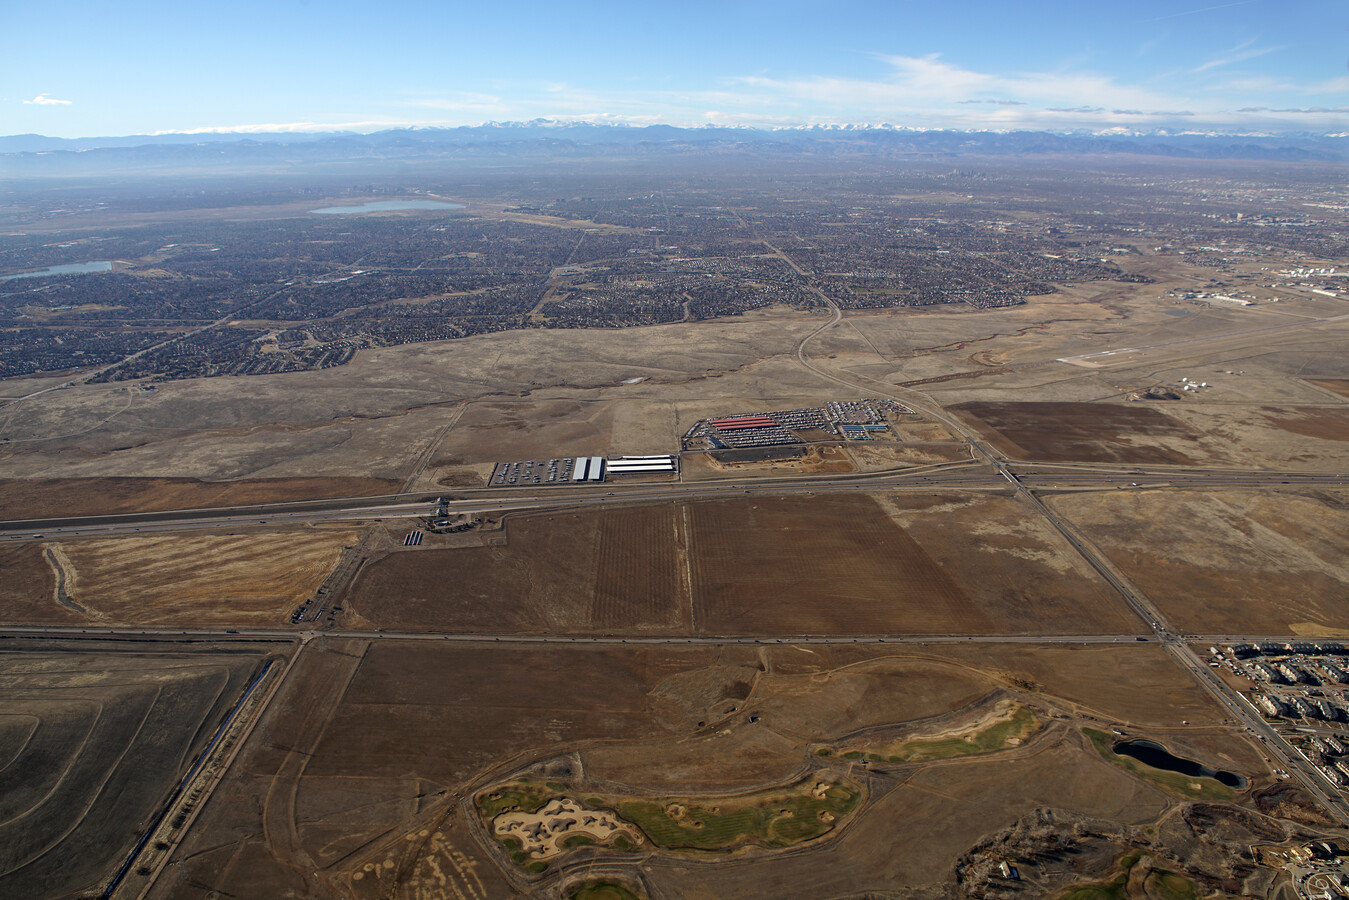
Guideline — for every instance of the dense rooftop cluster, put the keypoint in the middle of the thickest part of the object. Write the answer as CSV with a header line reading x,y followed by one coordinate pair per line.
x,y
205,293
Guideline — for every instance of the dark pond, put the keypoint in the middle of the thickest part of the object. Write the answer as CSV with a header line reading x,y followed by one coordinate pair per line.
x,y
1157,756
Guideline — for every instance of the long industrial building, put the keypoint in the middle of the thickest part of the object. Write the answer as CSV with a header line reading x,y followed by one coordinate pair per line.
x,y
588,468
632,465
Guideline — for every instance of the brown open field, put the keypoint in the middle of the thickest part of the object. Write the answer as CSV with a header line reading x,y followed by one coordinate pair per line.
x,y
1229,562
1338,385
28,594
24,498
351,786
243,579
818,566
1326,423
953,563
1009,561
93,738
1085,432
611,569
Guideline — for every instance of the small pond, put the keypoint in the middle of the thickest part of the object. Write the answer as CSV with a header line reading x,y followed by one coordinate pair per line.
x,y
1157,756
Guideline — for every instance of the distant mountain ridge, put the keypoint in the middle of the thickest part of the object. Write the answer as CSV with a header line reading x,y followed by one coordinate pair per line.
x,y
32,154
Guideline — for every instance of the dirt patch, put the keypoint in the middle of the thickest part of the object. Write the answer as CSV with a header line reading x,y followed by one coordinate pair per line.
x,y
1085,432
561,824
37,498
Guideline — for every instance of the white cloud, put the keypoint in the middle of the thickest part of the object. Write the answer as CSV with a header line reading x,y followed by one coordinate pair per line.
x,y
925,90
293,127
1204,9
44,100
1237,54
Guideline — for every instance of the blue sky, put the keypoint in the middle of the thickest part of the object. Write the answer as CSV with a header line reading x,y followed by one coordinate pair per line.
x,y
134,67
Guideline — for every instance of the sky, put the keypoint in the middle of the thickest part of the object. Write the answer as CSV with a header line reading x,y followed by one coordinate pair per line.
x,y
84,69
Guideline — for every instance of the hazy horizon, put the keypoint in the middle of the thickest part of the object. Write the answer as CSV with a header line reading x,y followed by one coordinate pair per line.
x,y
148,68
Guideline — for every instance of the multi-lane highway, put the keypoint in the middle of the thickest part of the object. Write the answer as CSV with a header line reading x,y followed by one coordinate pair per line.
x,y
1033,478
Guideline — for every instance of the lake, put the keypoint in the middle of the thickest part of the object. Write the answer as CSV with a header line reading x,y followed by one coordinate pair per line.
x,y
386,206
83,268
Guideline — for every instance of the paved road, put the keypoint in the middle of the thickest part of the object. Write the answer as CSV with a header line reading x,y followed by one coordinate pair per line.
x,y
969,475
245,634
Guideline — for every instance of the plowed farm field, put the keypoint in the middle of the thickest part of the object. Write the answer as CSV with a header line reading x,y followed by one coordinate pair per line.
x,y
592,571
768,566
834,565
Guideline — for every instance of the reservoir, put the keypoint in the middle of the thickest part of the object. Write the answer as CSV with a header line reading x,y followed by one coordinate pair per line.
x,y
83,268
1158,757
386,206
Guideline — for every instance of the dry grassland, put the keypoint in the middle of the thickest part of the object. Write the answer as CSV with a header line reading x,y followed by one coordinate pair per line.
x,y
817,460
1010,562
28,589
379,413
911,836
1085,432
346,788
1267,436
253,579
1327,424
1230,562
22,498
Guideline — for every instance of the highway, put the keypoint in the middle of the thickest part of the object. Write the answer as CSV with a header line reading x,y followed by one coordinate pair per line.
x,y
290,634
969,475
